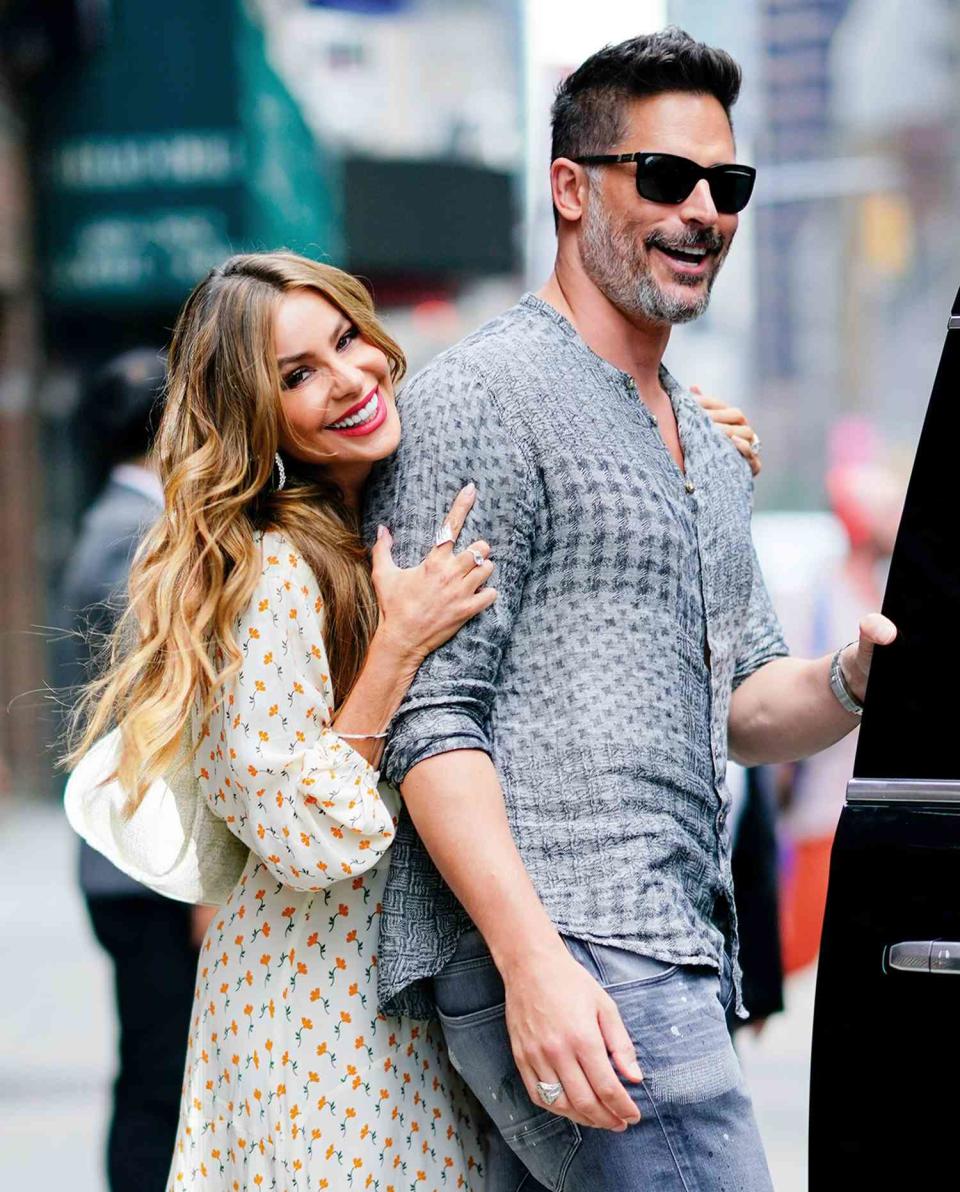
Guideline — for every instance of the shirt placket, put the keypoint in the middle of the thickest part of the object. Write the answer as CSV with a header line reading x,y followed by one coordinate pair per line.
x,y
717,730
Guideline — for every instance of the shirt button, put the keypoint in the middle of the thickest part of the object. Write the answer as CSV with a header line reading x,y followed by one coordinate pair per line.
x,y
690,486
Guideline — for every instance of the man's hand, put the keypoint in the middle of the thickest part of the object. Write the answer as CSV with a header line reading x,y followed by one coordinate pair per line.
x,y
564,1028
786,709
875,630
734,424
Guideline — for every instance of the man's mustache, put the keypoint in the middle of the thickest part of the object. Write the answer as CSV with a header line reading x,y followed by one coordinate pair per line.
x,y
707,238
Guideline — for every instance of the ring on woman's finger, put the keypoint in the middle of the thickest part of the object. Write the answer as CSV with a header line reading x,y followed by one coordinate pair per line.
x,y
755,444
444,535
478,559
549,1092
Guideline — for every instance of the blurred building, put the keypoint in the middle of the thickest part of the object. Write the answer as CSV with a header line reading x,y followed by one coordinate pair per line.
x,y
850,112
142,142
382,135
21,470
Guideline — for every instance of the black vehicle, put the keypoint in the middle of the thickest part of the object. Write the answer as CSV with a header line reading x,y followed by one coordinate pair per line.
x,y
885,1081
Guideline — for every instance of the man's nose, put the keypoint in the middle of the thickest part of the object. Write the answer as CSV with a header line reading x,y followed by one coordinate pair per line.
x,y
698,206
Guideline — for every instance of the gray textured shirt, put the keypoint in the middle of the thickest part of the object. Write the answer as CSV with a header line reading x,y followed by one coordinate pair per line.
x,y
630,606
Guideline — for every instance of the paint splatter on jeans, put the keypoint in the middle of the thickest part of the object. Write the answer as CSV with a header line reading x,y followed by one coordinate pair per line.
x,y
697,1131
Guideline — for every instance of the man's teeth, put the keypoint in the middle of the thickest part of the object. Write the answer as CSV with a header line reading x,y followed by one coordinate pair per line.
x,y
688,252
361,416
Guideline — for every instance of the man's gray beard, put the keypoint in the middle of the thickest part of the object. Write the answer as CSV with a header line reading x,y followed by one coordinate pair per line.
x,y
620,269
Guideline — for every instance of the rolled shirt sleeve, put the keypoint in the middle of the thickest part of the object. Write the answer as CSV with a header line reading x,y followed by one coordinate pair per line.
x,y
453,433
762,639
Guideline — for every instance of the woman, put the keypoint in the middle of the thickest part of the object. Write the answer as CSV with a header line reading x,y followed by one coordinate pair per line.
x,y
256,622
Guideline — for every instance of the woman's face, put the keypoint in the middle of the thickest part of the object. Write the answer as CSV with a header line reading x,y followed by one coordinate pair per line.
x,y
337,394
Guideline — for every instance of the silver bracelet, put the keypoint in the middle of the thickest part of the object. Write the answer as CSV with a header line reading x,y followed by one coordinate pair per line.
x,y
838,685
361,736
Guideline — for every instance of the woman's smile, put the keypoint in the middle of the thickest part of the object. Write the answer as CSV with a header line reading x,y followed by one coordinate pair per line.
x,y
363,418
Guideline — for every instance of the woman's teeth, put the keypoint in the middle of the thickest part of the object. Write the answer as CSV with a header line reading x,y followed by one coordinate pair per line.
x,y
361,416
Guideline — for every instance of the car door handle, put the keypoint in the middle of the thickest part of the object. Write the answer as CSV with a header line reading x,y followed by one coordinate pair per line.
x,y
923,956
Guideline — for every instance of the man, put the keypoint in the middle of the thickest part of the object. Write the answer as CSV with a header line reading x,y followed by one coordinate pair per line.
x,y
563,757
151,941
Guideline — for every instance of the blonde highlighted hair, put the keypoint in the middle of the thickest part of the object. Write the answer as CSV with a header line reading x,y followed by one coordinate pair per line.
x,y
196,569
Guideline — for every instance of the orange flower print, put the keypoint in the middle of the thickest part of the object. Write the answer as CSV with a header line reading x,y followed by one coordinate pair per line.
x,y
281,1078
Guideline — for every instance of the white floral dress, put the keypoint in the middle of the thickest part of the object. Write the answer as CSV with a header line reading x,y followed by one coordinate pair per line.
x,y
294,1081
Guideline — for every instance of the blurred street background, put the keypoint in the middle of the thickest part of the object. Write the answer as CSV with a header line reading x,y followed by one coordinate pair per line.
x,y
407,141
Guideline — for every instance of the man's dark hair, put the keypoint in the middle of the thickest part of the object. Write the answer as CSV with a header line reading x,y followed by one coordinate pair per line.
x,y
121,405
590,106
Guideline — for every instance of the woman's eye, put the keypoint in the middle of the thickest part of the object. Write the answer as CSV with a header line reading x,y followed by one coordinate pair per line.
x,y
295,378
347,338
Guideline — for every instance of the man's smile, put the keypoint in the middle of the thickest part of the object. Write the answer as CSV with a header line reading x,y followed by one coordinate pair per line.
x,y
692,262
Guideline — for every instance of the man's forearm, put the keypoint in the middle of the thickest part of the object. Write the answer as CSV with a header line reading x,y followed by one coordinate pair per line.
x,y
456,803
563,1027
786,711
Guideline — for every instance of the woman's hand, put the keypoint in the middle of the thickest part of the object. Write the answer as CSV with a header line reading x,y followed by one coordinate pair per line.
x,y
422,607
733,423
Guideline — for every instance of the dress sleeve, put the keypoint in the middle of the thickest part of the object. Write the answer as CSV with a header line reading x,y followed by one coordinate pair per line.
x,y
269,763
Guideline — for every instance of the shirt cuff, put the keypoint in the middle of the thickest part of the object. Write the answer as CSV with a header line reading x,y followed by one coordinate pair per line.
x,y
748,666
418,737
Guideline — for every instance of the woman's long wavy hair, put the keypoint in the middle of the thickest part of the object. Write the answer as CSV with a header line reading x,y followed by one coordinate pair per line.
x,y
195,571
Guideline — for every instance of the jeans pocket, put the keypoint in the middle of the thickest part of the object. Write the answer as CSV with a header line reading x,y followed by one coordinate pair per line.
x,y
616,969
469,982
479,1048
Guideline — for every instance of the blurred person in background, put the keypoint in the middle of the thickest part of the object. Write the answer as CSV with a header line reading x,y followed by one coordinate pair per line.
x,y
562,759
754,865
866,490
152,942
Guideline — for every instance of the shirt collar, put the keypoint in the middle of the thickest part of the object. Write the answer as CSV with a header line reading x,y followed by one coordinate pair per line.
x,y
141,480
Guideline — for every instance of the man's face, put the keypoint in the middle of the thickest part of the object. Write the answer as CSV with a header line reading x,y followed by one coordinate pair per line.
x,y
629,245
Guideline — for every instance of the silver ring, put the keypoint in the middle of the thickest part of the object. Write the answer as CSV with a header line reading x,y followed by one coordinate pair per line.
x,y
478,559
755,445
549,1092
444,535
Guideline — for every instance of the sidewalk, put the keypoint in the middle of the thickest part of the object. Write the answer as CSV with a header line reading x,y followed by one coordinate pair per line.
x,y
57,1037
56,1032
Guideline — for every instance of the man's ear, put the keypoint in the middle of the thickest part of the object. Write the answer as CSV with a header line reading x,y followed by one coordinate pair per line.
x,y
568,186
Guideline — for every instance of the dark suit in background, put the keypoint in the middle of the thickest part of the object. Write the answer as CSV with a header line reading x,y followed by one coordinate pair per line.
x,y
148,938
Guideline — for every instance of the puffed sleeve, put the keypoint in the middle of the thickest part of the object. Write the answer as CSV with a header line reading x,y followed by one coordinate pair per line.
x,y
269,764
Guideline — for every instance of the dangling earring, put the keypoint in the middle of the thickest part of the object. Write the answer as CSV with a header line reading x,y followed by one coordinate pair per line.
x,y
281,473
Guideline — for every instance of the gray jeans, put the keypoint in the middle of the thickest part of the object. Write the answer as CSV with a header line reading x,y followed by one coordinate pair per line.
x,y
697,1130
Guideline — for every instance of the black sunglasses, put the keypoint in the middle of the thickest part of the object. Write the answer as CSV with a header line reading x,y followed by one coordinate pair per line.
x,y
664,178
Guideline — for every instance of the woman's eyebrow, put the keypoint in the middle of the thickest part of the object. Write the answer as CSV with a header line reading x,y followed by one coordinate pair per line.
x,y
294,359
340,330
